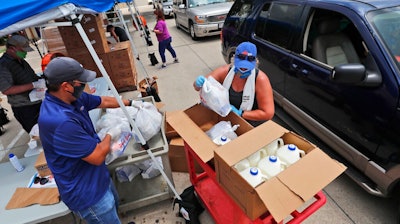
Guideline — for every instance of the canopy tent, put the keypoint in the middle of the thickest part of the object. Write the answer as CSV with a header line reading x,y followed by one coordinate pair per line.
x,y
18,15
22,14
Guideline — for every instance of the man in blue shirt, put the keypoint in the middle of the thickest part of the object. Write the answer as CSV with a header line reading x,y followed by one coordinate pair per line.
x,y
73,151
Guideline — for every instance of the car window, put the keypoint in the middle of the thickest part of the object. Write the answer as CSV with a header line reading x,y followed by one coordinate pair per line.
x,y
333,39
387,25
196,3
238,13
275,22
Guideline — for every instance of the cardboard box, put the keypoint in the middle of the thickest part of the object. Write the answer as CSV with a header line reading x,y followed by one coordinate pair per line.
x,y
143,84
93,27
85,58
192,123
177,157
169,131
41,165
283,193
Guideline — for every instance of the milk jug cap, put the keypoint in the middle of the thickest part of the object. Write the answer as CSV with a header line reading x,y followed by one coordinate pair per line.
x,y
253,171
273,159
291,147
223,138
10,155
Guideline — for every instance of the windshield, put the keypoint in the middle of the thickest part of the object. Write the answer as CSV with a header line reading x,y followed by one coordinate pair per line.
x,y
196,3
386,23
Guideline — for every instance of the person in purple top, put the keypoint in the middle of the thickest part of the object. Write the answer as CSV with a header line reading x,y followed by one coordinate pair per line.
x,y
163,37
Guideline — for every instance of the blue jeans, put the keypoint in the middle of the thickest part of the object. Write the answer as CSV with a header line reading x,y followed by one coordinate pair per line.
x,y
166,44
104,211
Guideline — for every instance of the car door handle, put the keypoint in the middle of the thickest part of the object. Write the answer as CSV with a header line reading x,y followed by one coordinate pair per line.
x,y
298,69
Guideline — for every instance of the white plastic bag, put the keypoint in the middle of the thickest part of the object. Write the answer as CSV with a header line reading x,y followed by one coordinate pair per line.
x,y
152,170
148,120
117,145
223,128
37,94
214,96
127,173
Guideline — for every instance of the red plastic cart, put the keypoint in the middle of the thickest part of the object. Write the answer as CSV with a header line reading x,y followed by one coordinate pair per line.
x,y
222,207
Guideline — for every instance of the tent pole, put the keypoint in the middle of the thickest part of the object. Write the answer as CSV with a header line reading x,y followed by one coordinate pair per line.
x,y
136,133
121,18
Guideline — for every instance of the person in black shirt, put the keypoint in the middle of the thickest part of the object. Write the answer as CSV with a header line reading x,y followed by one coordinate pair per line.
x,y
18,79
118,33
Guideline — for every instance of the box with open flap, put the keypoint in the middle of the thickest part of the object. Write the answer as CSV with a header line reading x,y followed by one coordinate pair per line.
x,y
192,123
283,193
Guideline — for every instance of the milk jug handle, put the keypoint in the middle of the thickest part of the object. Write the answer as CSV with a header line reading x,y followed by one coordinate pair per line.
x,y
302,153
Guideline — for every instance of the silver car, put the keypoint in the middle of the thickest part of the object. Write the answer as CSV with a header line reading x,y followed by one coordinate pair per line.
x,y
201,17
166,7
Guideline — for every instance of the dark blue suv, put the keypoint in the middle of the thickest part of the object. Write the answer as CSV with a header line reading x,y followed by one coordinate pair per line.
x,y
334,67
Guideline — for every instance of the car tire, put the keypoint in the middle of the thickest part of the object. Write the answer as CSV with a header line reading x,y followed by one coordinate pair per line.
x,y
191,31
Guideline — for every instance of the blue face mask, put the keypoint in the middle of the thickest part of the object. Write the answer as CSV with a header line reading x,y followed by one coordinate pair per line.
x,y
243,74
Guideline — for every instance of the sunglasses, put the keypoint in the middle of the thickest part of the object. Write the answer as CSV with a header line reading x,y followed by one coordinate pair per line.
x,y
245,56
41,180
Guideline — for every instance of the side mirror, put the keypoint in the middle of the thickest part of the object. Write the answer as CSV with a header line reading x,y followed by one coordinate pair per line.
x,y
348,73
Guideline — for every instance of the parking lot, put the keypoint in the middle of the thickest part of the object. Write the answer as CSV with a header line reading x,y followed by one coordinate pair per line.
x,y
346,202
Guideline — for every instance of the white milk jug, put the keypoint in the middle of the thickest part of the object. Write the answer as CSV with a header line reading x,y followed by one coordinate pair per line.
x,y
253,176
271,148
256,157
242,165
289,154
270,166
222,140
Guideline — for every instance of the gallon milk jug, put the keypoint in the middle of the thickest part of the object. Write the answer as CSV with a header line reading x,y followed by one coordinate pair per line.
x,y
289,154
271,148
253,176
242,165
270,166
255,158
222,140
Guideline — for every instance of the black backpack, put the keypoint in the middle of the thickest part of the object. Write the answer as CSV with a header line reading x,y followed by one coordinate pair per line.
x,y
153,59
189,207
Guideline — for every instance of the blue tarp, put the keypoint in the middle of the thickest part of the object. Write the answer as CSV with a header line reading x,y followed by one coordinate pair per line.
x,y
14,11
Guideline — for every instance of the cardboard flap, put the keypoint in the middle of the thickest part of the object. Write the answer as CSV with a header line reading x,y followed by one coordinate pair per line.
x,y
195,138
24,197
279,200
316,168
268,131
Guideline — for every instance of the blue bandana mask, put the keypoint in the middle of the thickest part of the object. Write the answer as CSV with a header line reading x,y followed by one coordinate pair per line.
x,y
243,74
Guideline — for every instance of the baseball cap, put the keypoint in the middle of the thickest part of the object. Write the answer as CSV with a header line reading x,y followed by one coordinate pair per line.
x,y
248,49
19,41
62,69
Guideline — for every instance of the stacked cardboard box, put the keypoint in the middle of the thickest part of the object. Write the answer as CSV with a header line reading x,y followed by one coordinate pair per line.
x,y
122,65
117,59
53,40
93,27
280,195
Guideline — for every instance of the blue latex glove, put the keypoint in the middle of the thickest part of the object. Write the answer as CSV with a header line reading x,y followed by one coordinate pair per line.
x,y
237,111
200,81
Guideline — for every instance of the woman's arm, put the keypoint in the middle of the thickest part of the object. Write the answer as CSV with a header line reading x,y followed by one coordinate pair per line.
x,y
218,74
